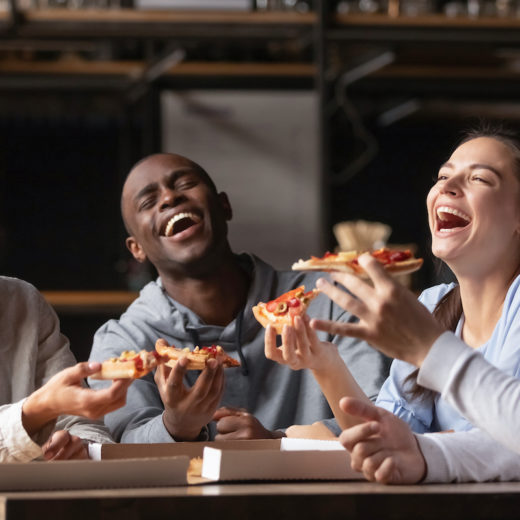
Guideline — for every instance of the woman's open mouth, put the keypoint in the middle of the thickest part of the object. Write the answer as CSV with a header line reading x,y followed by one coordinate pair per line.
x,y
450,220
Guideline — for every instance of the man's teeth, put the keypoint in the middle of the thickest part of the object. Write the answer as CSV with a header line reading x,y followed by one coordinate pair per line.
x,y
168,232
452,211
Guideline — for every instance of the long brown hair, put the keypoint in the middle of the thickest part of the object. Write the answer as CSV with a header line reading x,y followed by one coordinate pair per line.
x,y
448,310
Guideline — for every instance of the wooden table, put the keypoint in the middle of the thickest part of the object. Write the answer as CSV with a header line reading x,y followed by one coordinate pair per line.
x,y
270,501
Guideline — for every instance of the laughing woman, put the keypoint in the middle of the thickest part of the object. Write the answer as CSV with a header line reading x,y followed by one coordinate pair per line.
x,y
474,218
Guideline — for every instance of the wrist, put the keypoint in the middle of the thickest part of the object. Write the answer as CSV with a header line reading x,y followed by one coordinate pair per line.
x,y
328,360
36,412
184,433
417,356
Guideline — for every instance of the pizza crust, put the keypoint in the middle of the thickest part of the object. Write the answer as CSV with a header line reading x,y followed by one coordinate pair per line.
x,y
126,365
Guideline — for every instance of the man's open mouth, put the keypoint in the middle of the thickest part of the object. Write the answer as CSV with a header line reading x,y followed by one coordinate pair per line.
x,y
450,219
181,222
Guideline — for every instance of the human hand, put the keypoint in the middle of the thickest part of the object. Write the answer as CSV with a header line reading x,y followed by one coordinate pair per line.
x,y
239,424
61,445
187,410
300,347
64,394
390,317
382,447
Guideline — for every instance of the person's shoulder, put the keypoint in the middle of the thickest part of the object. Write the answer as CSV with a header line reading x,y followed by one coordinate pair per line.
x,y
16,288
512,300
431,296
152,298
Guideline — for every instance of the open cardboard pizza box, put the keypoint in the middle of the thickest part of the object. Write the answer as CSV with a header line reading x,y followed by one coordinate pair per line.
x,y
280,459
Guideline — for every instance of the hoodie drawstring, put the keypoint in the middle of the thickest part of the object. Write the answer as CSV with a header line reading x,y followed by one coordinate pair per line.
x,y
238,344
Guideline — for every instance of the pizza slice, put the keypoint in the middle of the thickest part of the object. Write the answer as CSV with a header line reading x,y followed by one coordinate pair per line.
x,y
197,357
393,260
129,365
282,311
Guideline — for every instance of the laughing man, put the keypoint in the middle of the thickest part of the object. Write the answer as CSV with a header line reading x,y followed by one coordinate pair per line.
x,y
176,219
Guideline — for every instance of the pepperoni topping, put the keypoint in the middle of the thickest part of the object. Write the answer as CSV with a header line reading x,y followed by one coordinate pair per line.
x,y
211,351
139,365
290,300
387,256
272,306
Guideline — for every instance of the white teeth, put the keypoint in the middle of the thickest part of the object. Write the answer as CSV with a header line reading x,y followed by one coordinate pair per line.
x,y
169,227
452,211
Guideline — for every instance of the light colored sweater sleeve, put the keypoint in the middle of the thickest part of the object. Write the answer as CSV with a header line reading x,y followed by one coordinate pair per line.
x,y
486,396
470,456
15,443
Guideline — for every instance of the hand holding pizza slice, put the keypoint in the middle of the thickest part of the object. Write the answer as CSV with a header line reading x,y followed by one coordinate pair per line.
x,y
395,262
282,310
197,358
129,365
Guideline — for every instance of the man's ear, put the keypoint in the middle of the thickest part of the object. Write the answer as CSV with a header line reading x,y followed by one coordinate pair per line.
x,y
225,205
136,250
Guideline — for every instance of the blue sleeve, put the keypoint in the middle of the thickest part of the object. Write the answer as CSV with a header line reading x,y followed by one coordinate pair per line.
x,y
503,349
393,397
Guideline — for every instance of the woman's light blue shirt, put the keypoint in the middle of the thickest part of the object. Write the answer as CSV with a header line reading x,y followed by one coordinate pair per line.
x,y
502,350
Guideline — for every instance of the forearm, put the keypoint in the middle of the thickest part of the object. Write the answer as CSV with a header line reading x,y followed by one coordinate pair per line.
x,y
484,394
37,411
336,382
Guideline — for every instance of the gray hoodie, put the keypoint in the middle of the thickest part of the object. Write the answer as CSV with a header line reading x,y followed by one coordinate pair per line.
x,y
276,395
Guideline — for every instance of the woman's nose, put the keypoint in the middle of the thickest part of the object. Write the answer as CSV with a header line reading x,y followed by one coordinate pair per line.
x,y
451,186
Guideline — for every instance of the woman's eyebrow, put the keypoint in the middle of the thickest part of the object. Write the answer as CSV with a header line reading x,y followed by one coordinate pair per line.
x,y
476,166
479,166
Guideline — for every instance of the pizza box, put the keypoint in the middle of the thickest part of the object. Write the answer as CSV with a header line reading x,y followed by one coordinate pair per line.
x,y
292,459
92,474
174,449
268,459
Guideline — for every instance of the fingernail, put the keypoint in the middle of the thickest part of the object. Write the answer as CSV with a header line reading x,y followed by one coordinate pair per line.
x,y
320,282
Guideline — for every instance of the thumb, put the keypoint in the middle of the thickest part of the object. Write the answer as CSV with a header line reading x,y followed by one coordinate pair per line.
x,y
81,371
226,411
359,408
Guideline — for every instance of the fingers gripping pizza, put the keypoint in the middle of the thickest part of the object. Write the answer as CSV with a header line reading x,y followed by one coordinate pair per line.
x,y
197,357
282,311
394,261
129,365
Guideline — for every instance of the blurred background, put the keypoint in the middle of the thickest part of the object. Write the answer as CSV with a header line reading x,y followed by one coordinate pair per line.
x,y
308,113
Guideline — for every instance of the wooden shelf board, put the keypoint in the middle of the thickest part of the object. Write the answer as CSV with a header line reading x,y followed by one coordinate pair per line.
x,y
426,21
103,16
89,300
133,69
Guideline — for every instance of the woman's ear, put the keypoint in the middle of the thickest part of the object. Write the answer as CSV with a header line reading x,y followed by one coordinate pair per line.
x,y
135,248
225,205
